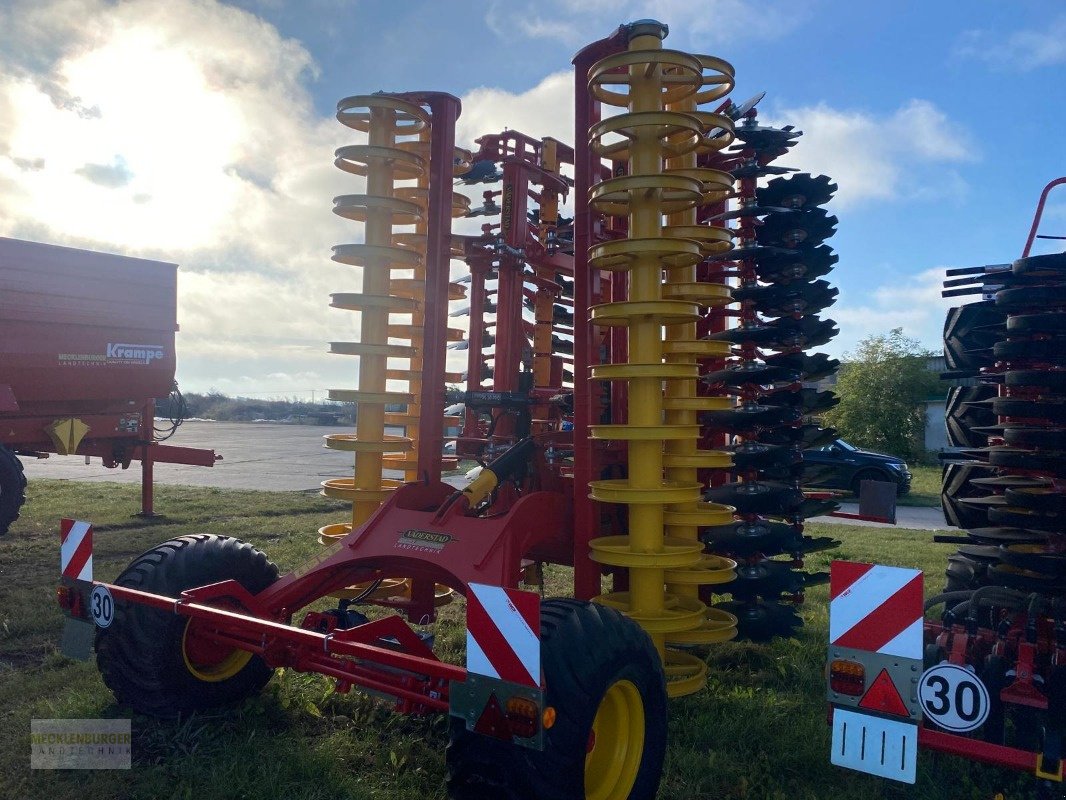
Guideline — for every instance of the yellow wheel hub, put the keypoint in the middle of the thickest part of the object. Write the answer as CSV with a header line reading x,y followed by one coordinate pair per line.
x,y
208,661
616,744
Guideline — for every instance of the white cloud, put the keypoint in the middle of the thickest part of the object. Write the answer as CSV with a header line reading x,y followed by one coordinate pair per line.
x,y
547,109
911,302
704,22
1021,50
875,157
184,131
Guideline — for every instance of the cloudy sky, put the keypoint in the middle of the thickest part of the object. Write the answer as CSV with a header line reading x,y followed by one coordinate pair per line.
x,y
202,133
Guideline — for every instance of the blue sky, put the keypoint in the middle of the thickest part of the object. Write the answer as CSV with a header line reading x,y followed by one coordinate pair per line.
x,y
202,133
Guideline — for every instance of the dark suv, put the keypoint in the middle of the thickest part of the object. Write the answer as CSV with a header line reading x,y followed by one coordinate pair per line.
x,y
839,465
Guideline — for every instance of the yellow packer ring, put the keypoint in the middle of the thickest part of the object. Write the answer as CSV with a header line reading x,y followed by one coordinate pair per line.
x,y
722,79
378,398
666,312
420,196
701,459
619,490
416,289
721,626
372,349
376,256
349,443
678,613
685,673
613,762
355,159
717,185
411,118
682,78
621,254
709,571
215,672
705,348
356,207
354,301
677,132
703,515
616,551
709,295
725,134
643,433
672,193
629,371
712,239
344,489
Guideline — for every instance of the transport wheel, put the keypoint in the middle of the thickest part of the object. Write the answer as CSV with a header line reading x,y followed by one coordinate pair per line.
x,y
955,487
606,683
12,488
153,660
969,332
966,409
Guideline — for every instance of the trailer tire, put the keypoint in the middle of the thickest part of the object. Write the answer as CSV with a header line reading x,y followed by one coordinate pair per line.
x,y
595,662
12,488
143,655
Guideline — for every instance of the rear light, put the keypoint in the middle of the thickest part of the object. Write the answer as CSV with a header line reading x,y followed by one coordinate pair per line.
x,y
847,677
65,597
523,717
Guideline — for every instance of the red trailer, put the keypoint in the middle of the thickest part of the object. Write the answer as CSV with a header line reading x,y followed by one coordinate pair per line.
x,y
86,344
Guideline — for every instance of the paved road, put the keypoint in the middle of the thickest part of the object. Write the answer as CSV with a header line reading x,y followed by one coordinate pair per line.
x,y
266,456
278,457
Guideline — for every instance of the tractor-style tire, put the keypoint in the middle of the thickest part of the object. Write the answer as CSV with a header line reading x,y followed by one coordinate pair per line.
x,y
955,487
962,416
143,655
606,683
12,488
970,331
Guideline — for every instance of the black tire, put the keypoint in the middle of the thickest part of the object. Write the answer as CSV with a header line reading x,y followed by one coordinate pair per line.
x,y
1050,462
1036,297
955,487
1026,436
962,415
1054,379
1053,411
1050,264
141,655
1046,351
1051,322
12,488
970,331
586,649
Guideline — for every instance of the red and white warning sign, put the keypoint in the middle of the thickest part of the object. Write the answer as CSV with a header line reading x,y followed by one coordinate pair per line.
x,y
503,633
76,550
876,608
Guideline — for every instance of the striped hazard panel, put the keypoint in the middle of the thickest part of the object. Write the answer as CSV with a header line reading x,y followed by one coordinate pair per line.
x,y
76,550
503,633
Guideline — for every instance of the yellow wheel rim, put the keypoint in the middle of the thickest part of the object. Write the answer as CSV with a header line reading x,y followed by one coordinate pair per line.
x,y
616,746
213,671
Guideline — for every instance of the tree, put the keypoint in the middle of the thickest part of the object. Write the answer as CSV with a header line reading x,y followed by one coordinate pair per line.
x,y
883,386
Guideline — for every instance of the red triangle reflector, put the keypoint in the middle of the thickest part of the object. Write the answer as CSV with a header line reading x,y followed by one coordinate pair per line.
x,y
884,697
493,722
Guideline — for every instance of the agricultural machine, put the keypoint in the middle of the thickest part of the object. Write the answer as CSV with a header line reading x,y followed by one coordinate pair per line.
x,y
86,345
992,660
634,312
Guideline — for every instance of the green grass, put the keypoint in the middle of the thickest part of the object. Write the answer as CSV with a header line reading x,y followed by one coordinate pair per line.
x,y
759,731
925,487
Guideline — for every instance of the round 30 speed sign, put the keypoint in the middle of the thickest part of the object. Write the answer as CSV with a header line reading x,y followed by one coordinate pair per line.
x,y
954,698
